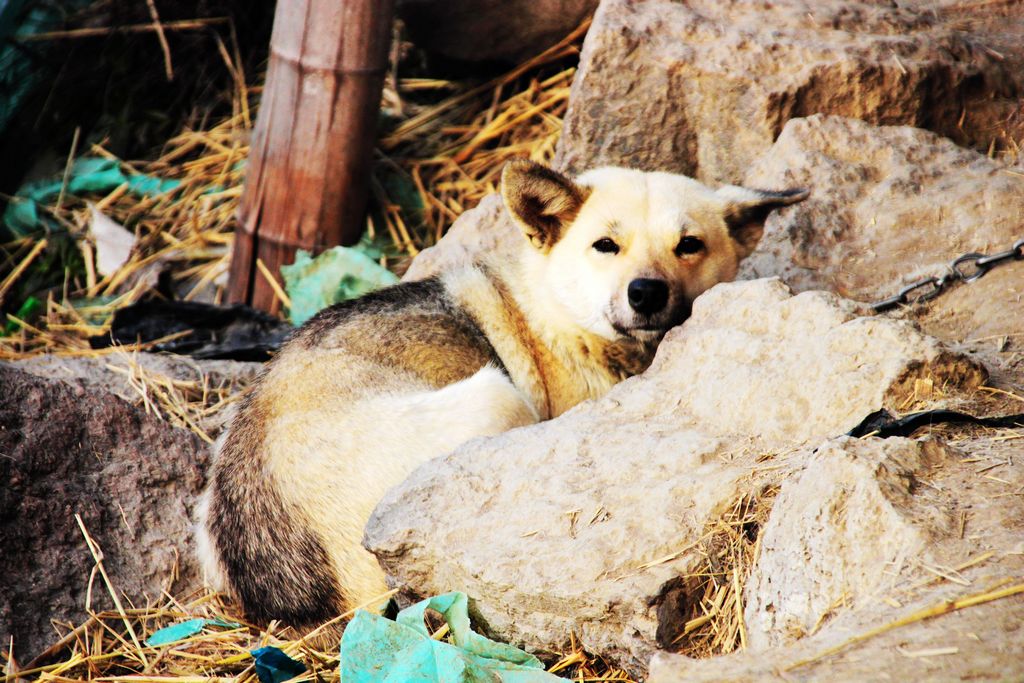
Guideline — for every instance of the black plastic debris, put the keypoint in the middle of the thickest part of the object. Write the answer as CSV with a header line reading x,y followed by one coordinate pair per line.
x,y
883,424
214,332
274,666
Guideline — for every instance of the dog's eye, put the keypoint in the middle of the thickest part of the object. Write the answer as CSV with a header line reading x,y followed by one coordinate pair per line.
x,y
689,245
606,246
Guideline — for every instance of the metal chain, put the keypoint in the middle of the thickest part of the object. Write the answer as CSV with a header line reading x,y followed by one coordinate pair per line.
x,y
966,268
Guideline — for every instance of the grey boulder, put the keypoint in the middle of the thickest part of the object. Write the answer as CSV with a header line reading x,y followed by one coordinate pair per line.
x,y
70,451
704,88
592,522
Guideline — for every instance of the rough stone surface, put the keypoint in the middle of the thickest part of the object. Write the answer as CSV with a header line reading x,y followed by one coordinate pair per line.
x,y
704,87
477,30
487,228
574,509
978,642
889,205
851,511
989,310
112,373
68,450
748,342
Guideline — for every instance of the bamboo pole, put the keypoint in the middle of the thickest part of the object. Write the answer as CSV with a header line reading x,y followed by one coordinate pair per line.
x,y
307,182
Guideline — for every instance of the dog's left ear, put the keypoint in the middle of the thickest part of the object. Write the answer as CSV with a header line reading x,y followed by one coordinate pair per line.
x,y
746,211
542,201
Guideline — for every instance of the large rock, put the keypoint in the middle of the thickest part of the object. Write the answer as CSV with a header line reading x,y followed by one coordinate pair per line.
x,y
590,523
704,87
888,205
70,450
478,30
894,620
484,229
851,511
133,376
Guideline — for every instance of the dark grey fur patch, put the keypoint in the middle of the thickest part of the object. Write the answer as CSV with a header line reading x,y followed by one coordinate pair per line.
x,y
388,300
412,325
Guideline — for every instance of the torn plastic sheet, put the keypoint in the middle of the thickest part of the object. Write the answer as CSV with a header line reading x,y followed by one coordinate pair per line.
x,y
20,68
185,629
88,174
335,275
212,332
375,649
274,666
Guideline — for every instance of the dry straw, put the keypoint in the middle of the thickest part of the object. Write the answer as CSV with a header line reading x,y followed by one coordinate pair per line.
x,y
728,550
451,152
194,404
110,645
102,648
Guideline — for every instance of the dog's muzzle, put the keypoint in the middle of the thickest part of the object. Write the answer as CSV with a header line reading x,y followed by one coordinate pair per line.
x,y
655,309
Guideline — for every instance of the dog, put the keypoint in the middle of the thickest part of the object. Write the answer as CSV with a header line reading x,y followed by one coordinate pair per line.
x,y
369,389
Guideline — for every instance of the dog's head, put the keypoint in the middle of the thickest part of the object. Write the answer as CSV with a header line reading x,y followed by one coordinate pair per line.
x,y
626,252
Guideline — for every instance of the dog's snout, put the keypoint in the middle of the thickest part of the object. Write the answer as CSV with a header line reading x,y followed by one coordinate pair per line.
x,y
647,296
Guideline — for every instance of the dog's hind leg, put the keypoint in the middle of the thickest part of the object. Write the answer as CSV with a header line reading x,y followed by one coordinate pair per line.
x,y
336,462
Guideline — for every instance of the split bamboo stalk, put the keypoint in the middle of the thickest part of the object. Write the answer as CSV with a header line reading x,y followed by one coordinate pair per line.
x,y
309,166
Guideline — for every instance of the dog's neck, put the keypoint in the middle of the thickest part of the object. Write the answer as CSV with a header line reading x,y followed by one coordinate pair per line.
x,y
550,358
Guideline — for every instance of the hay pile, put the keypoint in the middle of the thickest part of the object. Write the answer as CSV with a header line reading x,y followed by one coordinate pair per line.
x,y
185,233
729,550
442,154
453,151
110,646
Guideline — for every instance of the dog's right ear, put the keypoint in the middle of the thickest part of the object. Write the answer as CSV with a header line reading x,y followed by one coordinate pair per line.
x,y
543,202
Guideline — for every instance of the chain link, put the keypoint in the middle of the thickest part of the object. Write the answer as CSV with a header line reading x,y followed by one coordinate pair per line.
x,y
966,268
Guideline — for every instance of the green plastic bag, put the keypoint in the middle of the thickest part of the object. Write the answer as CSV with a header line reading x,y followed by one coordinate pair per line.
x,y
377,650
336,275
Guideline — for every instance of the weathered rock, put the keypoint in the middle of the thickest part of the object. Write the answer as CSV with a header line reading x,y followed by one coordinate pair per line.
x,y
485,229
108,372
69,450
851,511
987,310
978,641
591,519
889,205
748,342
115,373
478,30
705,87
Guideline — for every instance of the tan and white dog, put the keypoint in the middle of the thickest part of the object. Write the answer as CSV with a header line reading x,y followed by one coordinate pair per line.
x,y
369,389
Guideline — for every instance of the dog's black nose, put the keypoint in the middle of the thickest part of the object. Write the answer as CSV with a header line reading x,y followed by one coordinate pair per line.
x,y
647,296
